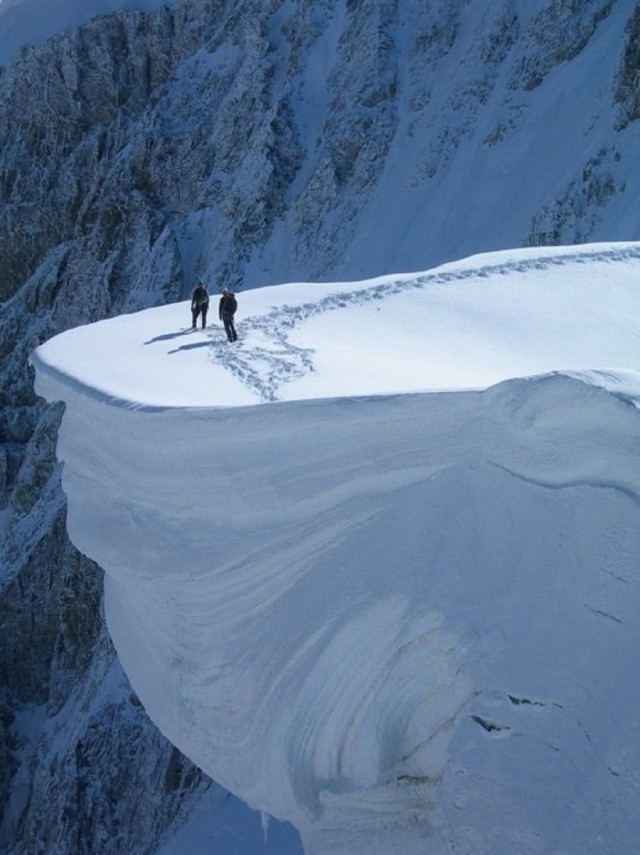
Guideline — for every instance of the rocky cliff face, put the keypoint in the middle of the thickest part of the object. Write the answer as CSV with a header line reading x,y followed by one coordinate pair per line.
x,y
247,142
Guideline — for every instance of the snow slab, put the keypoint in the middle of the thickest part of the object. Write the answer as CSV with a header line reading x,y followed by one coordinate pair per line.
x,y
376,566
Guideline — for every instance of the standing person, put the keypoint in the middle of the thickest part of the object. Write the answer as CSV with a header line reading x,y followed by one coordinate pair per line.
x,y
226,311
199,304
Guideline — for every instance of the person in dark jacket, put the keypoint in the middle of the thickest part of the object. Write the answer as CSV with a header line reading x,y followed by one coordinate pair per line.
x,y
226,311
199,304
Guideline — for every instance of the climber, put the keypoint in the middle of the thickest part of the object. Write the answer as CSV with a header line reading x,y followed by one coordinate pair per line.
x,y
199,304
226,311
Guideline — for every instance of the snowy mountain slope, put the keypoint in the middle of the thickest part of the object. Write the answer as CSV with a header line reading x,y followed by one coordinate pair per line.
x,y
270,142
30,22
252,142
404,622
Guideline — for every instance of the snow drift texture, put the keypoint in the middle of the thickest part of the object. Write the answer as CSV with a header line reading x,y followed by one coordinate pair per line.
x,y
404,622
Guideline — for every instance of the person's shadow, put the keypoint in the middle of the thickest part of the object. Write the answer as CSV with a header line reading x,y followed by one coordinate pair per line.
x,y
193,346
169,336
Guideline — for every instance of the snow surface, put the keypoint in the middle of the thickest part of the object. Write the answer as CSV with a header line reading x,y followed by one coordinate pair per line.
x,y
375,567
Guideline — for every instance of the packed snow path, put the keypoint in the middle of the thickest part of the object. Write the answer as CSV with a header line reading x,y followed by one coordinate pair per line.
x,y
404,622
266,368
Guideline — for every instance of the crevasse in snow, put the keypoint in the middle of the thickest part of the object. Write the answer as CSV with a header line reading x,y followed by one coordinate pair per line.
x,y
375,567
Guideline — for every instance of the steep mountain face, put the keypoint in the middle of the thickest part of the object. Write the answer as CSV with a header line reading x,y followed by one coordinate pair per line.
x,y
250,142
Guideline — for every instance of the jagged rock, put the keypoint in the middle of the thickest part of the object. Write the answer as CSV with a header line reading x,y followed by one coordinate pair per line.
x,y
628,84
556,34
3,478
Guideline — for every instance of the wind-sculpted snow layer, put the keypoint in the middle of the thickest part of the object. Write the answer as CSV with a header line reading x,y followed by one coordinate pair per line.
x,y
404,622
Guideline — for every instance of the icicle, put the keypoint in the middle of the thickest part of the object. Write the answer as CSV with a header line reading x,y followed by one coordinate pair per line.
x,y
264,820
